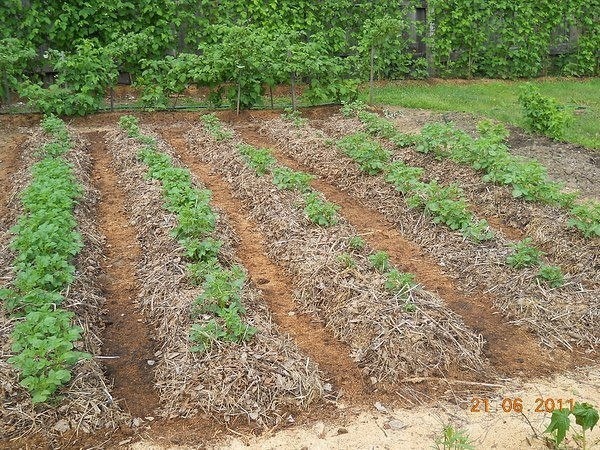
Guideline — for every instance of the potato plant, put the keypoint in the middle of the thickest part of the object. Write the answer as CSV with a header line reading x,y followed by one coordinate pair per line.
x,y
221,287
45,243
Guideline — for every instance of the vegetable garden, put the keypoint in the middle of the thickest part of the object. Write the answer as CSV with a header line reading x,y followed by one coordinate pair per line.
x,y
164,274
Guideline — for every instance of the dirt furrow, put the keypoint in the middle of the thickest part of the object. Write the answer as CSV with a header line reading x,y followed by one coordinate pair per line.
x,y
10,151
510,349
127,341
276,286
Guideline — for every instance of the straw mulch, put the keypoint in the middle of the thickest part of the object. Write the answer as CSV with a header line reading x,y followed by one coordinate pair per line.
x,y
560,317
257,381
387,342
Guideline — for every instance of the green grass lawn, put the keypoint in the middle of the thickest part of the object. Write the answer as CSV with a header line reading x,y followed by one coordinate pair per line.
x,y
498,100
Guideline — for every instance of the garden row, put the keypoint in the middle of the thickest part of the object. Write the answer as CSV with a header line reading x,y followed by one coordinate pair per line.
x,y
219,350
393,327
52,301
499,266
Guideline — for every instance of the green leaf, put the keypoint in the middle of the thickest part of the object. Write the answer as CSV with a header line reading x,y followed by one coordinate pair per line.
x,y
585,415
560,423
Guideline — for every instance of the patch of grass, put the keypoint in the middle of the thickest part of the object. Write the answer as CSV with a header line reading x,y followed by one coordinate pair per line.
x,y
499,100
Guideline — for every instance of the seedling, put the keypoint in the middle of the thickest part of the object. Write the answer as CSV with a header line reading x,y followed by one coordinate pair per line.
x,y
586,218
260,159
214,127
369,155
320,212
294,116
399,282
380,261
346,260
524,255
586,416
357,243
552,276
453,439
285,178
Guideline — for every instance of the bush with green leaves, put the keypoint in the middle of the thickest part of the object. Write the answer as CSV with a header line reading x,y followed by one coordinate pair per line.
x,y
15,54
543,114
221,298
45,242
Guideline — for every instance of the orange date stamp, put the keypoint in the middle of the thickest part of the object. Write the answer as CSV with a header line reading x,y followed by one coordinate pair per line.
x,y
516,405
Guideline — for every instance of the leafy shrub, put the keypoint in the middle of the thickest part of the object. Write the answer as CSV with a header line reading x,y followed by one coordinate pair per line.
x,y
319,211
543,114
524,254
405,178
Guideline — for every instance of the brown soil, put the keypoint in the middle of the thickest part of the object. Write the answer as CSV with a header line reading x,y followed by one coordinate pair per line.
x,y
10,150
511,350
127,343
276,286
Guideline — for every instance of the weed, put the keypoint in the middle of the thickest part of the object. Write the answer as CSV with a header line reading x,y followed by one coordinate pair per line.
x,y
551,275
380,261
524,255
320,212
453,439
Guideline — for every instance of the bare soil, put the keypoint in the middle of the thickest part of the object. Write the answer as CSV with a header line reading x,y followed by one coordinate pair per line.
x,y
127,342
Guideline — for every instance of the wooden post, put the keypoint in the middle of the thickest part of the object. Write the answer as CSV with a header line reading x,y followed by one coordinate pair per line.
x,y
372,75
293,83
239,94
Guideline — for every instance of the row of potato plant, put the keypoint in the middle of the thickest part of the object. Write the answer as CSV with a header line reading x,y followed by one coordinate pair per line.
x,y
219,308
445,204
488,154
406,179
318,211
322,213
45,243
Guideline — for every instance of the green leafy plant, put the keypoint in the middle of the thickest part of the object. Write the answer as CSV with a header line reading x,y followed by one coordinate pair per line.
x,y
260,159
586,218
214,127
380,261
294,116
320,212
357,243
551,275
346,260
369,155
405,178
285,178
586,416
398,282
453,439
524,254
543,114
